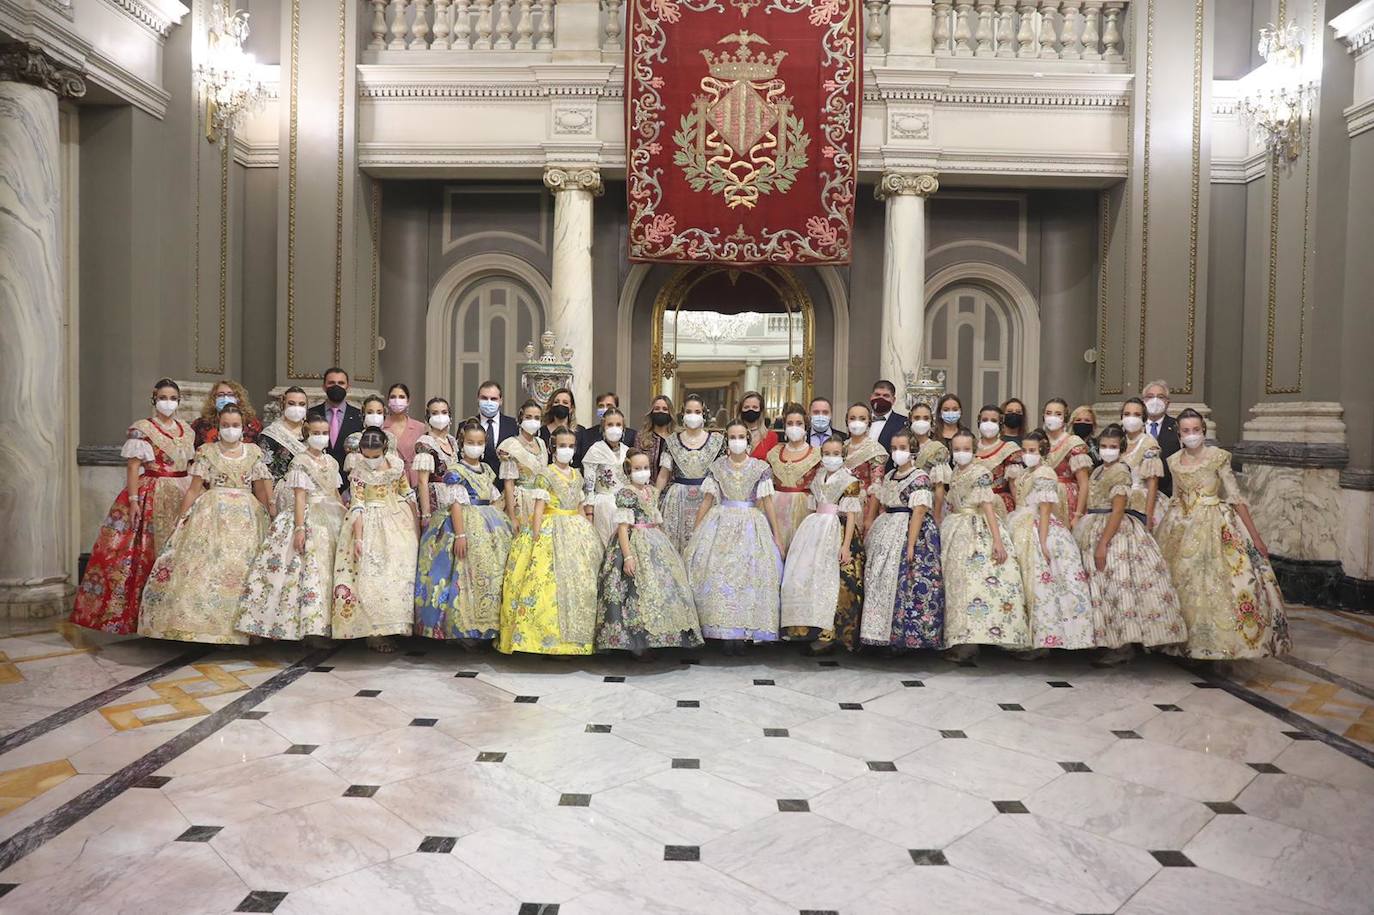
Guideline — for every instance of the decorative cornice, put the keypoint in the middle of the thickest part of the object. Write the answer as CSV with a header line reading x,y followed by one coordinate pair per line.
x,y
1360,117
574,179
1239,171
255,155
1355,27
906,184
152,16
26,62
1002,98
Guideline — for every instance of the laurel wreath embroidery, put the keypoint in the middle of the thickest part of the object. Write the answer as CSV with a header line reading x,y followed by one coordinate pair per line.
x,y
741,182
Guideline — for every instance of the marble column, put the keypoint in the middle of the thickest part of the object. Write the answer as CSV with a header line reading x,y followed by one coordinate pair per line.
x,y
904,274
751,374
38,456
570,316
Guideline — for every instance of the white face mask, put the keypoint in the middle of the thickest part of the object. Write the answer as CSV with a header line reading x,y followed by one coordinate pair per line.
x,y
374,463
440,421
319,441
530,426
1030,458
473,452
398,404
564,454
1109,455
989,429
372,420
832,462
693,420
1132,424
738,445
921,427
900,457
1193,440
857,427
640,476
612,434
1054,423
294,412
231,434
1156,406
795,433
168,407
963,458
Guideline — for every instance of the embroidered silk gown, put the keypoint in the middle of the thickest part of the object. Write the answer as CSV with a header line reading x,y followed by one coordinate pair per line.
x,y
549,605
1068,457
279,449
933,458
792,488
1003,461
683,496
866,460
1057,592
1227,590
603,472
194,588
903,601
811,574
984,600
374,595
290,595
1144,461
732,562
126,548
523,463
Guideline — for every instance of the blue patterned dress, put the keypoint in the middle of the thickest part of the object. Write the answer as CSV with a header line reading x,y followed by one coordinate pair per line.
x,y
904,601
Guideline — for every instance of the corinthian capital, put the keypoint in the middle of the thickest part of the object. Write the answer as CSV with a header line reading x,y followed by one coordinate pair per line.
x,y
573,179
906,184
25,62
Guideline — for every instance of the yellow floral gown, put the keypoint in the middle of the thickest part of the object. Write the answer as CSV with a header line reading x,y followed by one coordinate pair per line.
x,y
549,604
1229,596
984,601
522,463
193,591
374,595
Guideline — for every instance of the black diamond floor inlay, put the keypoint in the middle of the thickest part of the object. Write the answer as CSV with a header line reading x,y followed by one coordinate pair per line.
x,y
361,790
598,729
681,853
1298,735
852,706
438,845
793,805
7,887
1202,685
1011,707
828,663
368,693
1167,707
1266,768
465,675
819,912
254,715
1060,684
575,800
686,763
775,732
301,749
1127,735
261,901
881,766
927,856
1172,859
613,679
322,669
199,834
953,734
1010,807
152,781
423,722
538,908
764,683
1074,767
912,683
490,756
1223,807
527,699
689,703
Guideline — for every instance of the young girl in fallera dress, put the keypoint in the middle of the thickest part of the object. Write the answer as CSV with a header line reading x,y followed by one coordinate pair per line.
x,y
1218,561
1140,452
374,417
156,452
794,464
734,560
863,456
646,598
686,458
281,442
1001,457
549,605
603,469
374,566
985,603
930,454
194,588
466,540
1069,459
523,458
949,415
1134,601
904,589
290,589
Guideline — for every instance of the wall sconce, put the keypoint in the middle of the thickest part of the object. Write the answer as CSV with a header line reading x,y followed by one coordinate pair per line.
x,y
228,75
1277,96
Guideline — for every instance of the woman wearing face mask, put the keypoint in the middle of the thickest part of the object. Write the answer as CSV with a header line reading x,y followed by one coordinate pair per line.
x,y
290,587
549,604
984,601
751,414
657,427
466,544
1013,419
156,453
1058,598
646,597
1219,563
281,442
225,392
403,429
1001,457
687,456
949,415
734,559
929,453
603,469
194,588
1140,452
1083,423
561,413
794,464
1068,456
435,452
374,566
863,456
374,417
523,459
1133,599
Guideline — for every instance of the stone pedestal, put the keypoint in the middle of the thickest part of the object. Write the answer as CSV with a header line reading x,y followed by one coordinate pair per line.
x,y
571,310
904,273
37,456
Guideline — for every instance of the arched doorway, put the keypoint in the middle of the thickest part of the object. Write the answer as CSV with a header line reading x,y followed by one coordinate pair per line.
x,y
982,328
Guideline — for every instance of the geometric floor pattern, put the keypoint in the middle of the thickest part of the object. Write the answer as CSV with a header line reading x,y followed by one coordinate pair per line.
x,y
273,779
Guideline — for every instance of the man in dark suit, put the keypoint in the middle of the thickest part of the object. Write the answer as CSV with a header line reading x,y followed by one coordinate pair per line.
x,y
497,424
1162,426
887,422
822,427
344,418
590,436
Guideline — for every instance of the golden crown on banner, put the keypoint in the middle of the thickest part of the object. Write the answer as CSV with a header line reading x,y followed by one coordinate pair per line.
x,y
742,64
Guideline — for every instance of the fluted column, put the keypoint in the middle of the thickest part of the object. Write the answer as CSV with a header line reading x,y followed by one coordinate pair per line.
x,y
571,309
751,374
904,273
37,456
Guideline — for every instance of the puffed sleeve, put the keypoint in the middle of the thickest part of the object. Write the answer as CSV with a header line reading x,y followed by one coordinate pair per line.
x,y
510,470
625,500
852,498
1230,487
764,489
666,462
1120,482
350,462
540,490
1014,470
423,462
1151,465
921,497
297,477
941,473
458,495
1079,459
1044,489
202,467
259,471
981,491
709,487
137,447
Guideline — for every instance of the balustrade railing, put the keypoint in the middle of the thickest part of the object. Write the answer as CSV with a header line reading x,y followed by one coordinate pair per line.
x,y
478,25
1041,29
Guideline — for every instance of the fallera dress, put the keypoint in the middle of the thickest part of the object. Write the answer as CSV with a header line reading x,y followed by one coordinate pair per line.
x,y
1067,457
732,562
280,446
1229,596
1057,593
984,601
1145,463
290,595
792,488
933,458
903,602
811,582
460,599
549,604
374,594
126,548
654,608
524,463
1133,598
194,588
682,497
603,472
1003,461
867,461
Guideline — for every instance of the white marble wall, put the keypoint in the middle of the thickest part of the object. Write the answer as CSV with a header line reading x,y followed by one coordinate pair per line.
x,y
904,274
1297,509
1357,533
35,450
571,316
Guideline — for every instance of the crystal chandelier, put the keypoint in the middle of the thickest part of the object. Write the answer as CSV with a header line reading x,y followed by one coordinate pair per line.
x,y
227,74
1277,95
713,327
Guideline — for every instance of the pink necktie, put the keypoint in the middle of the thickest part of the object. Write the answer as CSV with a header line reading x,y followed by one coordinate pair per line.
x,y
335,421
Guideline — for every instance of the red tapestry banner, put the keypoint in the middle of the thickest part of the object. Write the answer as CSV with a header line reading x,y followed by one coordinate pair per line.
x,y
742,127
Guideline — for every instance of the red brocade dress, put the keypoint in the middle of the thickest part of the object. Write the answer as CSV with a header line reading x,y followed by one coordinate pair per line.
x,y
125,548
999,460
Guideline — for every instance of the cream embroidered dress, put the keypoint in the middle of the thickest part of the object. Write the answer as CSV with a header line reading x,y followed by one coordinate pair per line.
x,y
1133,599
1229,596
933,458
792,476
903,601
603,472
1143,459
1057,592
811,574
280,447
290,595
193,591
523,463
682,497
984,601
373,596
866,460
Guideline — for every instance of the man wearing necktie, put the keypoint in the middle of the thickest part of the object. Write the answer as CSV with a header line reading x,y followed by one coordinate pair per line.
x,y
1162,426
495,423
344,418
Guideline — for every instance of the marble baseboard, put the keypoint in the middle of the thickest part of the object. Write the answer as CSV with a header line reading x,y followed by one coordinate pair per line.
x,y
1360,479
38,602
1316,583
100,483
1292,454
1357,594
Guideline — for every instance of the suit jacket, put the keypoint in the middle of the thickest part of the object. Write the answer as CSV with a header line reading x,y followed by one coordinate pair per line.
x,y
1169,444
352,422
895,423
506,427
592,435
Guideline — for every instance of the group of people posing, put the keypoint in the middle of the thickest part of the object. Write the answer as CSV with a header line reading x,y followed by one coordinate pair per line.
x,y
539,535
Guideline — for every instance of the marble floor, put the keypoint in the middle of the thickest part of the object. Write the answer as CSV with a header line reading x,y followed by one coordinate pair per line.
x,y
152,777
